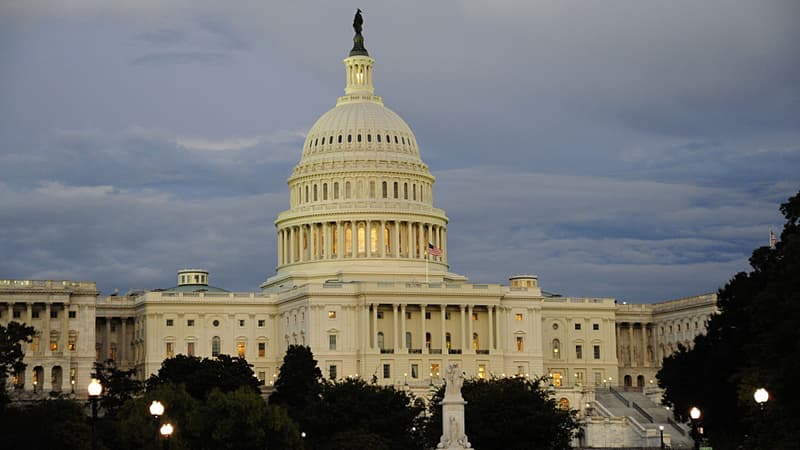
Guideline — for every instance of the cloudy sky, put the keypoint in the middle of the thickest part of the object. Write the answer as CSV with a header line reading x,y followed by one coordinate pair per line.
x,y
635,150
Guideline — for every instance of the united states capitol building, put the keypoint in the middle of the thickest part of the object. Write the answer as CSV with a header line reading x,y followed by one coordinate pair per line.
x,y
363,278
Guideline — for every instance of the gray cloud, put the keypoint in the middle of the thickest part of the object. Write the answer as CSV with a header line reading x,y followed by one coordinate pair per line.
x,y
163,58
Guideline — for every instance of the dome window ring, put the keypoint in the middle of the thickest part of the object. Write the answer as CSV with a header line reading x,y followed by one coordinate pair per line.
x,y
340,138
395,139
330,140
349,138
378,136
369,138
388,139
358,137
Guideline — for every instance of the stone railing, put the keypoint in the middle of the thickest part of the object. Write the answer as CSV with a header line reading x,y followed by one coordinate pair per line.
x,y
47,284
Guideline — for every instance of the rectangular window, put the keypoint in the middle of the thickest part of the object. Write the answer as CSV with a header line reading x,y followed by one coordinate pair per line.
x,y
54,346
577,326
415,371
520,371
170,322
597,377
331,314
262,349
474,316
482,371
380,314
16,314
190,323
332,371
387,371
517,316
427,315
112,352
331,342
190,348
434,370
261,323
72,314
35,344
34,315
595,326
71,343
596,352
170,350
54,314
241,322
241,349
408,315
261,376
579,351
520,343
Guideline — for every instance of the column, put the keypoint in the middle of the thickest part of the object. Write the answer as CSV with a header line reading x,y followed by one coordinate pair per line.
x,y
470,311
107,345
354,238
280,247
374,342
64,332
630,343
339,239
368,238
396,239
124,341
644,344
463,329
410,229
403,327
423,328
46,332
394,328
328,239
444,327
364,326
291,245
420,239
490,310
382,239
444,243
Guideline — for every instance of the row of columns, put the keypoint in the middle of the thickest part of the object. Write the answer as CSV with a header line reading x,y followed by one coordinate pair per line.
x,y
643,360
328,240
122,340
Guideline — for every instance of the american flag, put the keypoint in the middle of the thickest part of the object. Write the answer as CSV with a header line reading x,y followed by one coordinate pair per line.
x,y
433,250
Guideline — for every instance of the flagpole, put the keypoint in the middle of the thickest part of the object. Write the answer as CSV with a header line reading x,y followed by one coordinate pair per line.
x,y
426,266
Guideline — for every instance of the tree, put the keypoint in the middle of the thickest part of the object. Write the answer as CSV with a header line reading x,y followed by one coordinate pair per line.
x,y
52,424
351,414
201,376
298,382
11,355
508,413
118,385
753,342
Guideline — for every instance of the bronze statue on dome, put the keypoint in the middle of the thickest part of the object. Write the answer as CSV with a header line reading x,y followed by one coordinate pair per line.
x,y
358,39
358,21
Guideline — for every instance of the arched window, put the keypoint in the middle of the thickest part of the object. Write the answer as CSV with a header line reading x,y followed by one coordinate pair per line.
x,y
628,381
384,190
340,138
428,341
358,137
306,200
380,340
395,190
563,404
405,191
474,341
324,191
556,349
349,138
315,192
347,190
372,189
640,381
330,140
395,139
448,340
388,141
362,235
215,346
379,137
408,339
369,138
414,191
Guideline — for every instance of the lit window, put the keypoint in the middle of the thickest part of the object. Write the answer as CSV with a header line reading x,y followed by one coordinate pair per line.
x,y
517,316
215,346
170,322
556,349
71,344
474,316
434,370
54,346
331,314
474,341
520,343
170,350
331,342
448,340
190,348
482,371
241,349
262,349
579,351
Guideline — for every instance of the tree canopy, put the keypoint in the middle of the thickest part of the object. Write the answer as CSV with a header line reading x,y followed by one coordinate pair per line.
x,y
508,413
298,382
753,342
11,355
202,375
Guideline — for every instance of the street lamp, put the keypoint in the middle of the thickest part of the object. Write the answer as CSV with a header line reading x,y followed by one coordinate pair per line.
x,y
761,396
166,432
661,432
694,413
156,410
95,389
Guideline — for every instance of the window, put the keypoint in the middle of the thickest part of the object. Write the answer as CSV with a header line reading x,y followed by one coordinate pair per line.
x,y
474,341
595,326
331,342
596,352
427,315
518,317
387,371
34,315
446,315
448,340
190,322
428,341
434,370
262,349
241,349
556,349
190,348
384,192
215,345
579,351
170,322
408,315
520,343
72,314
380,314
241,322
520,371
380,340
415,371
170,350
53,346
215,323
71,343
331,314
16,314
597,377
332,369
482,371
408,339
474,316
54,314
577,326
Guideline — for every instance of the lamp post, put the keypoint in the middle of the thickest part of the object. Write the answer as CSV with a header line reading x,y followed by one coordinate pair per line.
x,y
95,389
157,410
761,396
166,431
694,413
661,432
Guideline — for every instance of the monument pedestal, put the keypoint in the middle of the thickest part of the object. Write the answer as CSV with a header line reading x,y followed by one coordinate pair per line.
x,y
453,431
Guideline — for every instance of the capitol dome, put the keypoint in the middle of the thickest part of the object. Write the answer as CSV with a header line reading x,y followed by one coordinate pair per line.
x,y
360,198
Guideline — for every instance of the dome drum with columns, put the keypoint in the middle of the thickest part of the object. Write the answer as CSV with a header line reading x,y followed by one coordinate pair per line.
x,y
361,198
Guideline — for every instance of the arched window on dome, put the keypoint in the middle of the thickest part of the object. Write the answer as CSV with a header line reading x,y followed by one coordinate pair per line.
x,y
306,194
348,238
403,140
395,190
373,238
358,137
336,190
340,138
395,139
330,140
405,191
349,138
362,238
386,239
378,136
369,138
316,141
384,190
414,191
347,190
324,191
371,188
388,140
315,192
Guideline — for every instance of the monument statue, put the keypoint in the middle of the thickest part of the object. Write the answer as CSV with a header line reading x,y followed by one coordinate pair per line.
x,y
358,21
453,429
358,39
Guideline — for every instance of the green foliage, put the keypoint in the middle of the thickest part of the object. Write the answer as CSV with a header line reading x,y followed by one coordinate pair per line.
x,y
201,376
118,385
11,355
52,424
508,413
754,342
298,382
